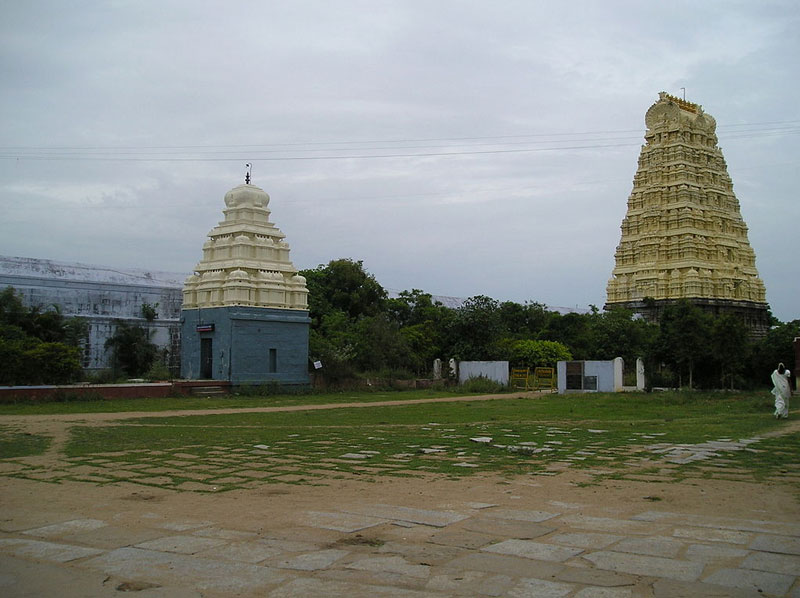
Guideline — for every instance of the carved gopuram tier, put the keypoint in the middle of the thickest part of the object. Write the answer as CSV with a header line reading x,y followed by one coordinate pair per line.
x,y
683,236
246,260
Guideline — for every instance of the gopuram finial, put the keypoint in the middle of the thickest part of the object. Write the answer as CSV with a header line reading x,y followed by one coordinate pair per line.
x,y
247,174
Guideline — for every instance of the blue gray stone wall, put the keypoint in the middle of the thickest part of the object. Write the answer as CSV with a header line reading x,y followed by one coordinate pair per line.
x,y
242,340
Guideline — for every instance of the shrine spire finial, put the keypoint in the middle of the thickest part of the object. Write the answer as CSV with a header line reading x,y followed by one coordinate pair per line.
x,y
247,174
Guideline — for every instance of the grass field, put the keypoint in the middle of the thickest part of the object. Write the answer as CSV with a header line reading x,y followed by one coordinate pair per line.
x,y
612,435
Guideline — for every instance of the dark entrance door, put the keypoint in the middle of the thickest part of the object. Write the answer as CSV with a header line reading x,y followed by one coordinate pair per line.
x,y
206,359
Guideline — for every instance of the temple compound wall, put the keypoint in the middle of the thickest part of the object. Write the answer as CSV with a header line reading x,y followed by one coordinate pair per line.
x,y
683,236
102,296
245,309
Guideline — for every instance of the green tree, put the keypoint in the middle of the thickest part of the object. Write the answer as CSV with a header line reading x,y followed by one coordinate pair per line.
x,y
532,353
343,285
730,347
132,349
476,329
684,338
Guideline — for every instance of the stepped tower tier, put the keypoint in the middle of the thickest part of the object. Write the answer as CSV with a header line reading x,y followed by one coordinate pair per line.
x,y
245,308
683,236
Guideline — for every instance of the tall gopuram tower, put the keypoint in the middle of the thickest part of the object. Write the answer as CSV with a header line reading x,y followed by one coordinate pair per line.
x,y
245,311
683,236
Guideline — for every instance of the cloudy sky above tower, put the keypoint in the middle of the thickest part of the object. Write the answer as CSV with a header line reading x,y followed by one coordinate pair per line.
x,y
459,147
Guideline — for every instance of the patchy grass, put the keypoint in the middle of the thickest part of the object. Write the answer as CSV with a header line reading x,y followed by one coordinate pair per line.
x,y
14,443
538,436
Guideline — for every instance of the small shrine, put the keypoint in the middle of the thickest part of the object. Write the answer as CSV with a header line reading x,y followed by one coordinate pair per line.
x,y
683,236
244,316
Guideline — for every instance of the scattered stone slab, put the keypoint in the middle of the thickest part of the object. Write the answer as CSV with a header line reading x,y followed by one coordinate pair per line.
x,y
507,528
244,552
342,522
540,588
533,516
776,563
313,561
763,581
181,544
712,535
784,544
482,439
67,527
585,540
45,551
420,516
533,550
714,553
594,577
651,566
669,588
355,456
461,538
504,565
605,524
184,526
391,564
303,588
137,564
653,546
224,534
592,592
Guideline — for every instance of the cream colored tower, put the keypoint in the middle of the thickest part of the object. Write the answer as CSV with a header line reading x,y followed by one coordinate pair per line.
x,y
683,236
246,260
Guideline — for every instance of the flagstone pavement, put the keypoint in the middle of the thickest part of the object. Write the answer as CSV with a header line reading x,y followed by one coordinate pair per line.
x,y
391,550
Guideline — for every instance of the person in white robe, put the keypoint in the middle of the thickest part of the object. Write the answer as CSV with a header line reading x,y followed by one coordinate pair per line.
x,y
782,391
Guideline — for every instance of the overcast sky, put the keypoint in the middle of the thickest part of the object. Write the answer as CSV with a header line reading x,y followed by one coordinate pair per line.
x,y
461,148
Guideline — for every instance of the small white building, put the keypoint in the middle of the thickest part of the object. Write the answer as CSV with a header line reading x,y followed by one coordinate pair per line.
x,y
596,376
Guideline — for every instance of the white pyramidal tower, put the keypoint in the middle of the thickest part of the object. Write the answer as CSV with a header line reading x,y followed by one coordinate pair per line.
x,y
246,259
244,317
683,236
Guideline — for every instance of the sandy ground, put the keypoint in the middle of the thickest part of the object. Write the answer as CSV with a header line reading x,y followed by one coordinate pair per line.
x,y
278,510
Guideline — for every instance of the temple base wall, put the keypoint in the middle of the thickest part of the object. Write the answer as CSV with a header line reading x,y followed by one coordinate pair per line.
x,y
754,315
245,345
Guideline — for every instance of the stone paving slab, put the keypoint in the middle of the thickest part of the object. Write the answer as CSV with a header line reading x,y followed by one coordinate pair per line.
x,y
669,588
606,524
533,550
520,515
391,564
522,530
45,551
604,593
784,544
585,540
174,569
712,535
650,566
769,583
714,553
181,544
67,527
471,583
112,536
432,554
244,552
540,588
420,516
224,534
461,538
312,561
307,587
504,565
653,546
594,577
721,523
342,522
777,563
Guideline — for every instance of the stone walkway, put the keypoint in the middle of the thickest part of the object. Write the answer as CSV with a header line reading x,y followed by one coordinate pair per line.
x,y
389,550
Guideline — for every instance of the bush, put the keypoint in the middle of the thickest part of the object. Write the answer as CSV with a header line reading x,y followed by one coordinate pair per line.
x,y
482,385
